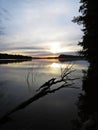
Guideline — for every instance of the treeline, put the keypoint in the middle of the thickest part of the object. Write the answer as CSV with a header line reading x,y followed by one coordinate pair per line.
x,y
89,21
63,57
15,57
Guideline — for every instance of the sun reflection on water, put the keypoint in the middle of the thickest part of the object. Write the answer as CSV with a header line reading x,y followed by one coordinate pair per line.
x,y
56,68
58,65
55,65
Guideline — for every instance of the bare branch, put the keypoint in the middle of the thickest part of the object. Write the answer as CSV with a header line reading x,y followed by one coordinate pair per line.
x,y
44,90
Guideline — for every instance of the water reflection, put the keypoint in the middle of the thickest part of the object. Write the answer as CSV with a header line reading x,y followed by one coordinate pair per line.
x,y
58,107
55,65
7,61
88,103
42,93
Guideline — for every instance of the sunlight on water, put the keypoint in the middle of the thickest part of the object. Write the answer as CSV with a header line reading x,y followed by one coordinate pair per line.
x,y
58,65
55,65
19,81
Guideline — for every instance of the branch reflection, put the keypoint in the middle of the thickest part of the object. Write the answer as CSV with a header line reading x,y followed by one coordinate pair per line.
x,y
44,90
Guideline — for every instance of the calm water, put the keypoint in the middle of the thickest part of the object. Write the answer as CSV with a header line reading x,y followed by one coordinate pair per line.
x,y
19,82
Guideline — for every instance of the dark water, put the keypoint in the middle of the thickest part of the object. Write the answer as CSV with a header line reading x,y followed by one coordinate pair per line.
x,y
19,82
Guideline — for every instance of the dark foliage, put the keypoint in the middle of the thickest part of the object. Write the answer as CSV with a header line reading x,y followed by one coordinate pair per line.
x,y
88,103
89,20
7,56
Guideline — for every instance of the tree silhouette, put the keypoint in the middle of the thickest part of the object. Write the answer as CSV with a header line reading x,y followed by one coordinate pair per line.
x,y
88,104
89,20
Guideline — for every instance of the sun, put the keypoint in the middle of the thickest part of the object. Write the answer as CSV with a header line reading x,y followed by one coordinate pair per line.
x,y
56,47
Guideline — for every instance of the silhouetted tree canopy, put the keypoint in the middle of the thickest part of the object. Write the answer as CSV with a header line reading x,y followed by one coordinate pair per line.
x,y
9,56
88,105
89,20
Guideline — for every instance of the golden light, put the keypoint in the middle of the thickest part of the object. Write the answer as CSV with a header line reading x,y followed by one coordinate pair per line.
x,y
58,65
55,65
56,47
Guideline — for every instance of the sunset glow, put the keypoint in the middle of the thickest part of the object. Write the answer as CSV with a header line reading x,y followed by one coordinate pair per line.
x,y
39,28
57,48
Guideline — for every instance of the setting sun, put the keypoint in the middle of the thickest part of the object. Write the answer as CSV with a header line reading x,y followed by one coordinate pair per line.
x,y
56,48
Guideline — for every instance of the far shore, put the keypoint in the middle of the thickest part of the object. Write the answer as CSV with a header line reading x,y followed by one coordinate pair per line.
x,y
5,58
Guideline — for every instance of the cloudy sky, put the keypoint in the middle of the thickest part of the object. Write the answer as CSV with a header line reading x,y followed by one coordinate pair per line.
x,y
39,27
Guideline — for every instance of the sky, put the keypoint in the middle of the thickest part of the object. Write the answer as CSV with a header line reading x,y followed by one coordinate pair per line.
x,y
39,27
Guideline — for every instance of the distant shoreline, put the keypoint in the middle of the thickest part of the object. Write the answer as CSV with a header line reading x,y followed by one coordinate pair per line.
x,y
44,57
6,58
14,57
62,57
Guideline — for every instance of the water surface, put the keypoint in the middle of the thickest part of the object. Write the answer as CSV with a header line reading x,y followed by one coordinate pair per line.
x,y
19,82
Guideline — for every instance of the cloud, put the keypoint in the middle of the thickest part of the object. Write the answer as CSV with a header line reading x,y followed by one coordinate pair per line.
x,y
39,23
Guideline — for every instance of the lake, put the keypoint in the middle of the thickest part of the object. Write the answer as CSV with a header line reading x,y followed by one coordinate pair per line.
x,y
48,111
